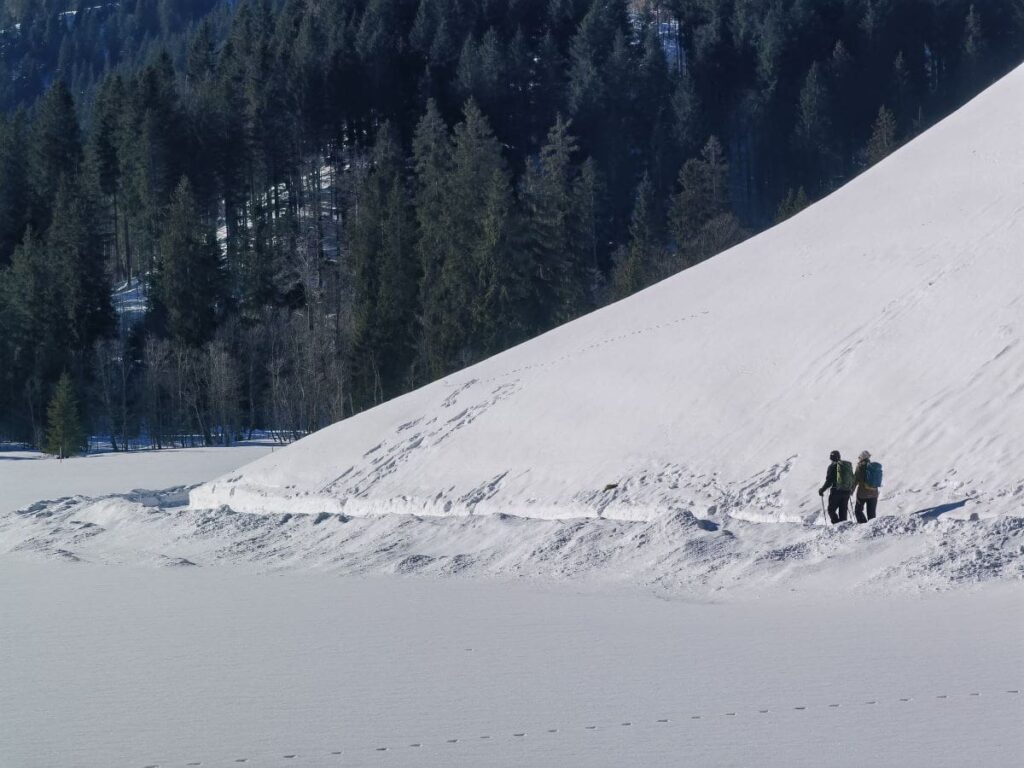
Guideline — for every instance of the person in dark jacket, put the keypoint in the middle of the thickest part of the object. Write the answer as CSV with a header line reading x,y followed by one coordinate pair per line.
x,y
838,477
867,495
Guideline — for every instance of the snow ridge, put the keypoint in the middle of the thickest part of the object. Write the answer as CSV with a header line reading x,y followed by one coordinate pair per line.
x,y
673,551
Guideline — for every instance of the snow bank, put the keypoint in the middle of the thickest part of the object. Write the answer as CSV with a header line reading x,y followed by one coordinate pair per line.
x,y
673,551
886,317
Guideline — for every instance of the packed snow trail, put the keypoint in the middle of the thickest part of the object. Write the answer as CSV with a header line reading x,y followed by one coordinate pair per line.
x,y
886,317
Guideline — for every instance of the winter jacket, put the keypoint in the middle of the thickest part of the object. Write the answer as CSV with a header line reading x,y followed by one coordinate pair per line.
x,y
833,477
860,478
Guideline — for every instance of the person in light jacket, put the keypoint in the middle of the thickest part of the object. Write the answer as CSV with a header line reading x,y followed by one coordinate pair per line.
x,y
867,495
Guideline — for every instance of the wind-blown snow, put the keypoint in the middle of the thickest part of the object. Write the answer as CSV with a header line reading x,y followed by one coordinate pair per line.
x,y
886,317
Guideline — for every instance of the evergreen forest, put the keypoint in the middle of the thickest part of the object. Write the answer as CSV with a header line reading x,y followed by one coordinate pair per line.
x,y
228,217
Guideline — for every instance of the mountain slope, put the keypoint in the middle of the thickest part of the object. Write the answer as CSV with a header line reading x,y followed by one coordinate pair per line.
x,y
888,316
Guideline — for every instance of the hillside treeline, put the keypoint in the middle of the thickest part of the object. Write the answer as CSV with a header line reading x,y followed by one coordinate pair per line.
x,y
273,215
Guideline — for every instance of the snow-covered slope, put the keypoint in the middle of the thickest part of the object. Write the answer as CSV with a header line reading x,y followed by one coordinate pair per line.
x,y
886,317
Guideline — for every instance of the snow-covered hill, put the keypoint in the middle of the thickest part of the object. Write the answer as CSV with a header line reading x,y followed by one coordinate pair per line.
x,y
887,317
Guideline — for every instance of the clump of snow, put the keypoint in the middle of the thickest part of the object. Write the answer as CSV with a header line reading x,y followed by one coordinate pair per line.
x,y
886,317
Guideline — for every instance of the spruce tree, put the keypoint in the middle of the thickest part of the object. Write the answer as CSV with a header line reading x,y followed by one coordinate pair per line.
x,y
639,263
385,273
813,135
791,205
432,157
55,151
555,252
883,136
14,208
64,434
187,285
75,252
972,52
700,220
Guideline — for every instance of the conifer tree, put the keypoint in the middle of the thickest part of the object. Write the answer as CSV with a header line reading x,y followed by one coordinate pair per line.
x,y
187,286
883,136
64,434
700,220
75,253
55,151
638,263
432,156
385,274
14,210
551,228
791,205
972,51
814,129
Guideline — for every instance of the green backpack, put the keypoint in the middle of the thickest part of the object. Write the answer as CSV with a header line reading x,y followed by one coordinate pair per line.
x,y
844,476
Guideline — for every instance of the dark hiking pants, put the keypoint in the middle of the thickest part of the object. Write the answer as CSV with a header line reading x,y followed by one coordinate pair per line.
x,y
858,510
838,505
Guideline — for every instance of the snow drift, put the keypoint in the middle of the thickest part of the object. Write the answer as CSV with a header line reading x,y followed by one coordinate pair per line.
x,y
886,317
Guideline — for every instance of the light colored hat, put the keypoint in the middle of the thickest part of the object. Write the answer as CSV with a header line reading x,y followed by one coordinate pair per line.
x,y
865,455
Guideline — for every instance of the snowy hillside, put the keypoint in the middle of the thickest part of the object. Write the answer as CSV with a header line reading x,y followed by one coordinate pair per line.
x,y
886,317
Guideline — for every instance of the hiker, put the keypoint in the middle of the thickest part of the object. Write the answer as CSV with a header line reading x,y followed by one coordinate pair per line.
x,y
867,494
838,477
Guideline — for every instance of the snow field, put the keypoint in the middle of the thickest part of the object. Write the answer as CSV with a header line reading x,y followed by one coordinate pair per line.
x,y
124,666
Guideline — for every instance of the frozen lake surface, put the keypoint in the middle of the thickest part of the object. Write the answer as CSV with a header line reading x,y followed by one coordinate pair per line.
x,y
103,666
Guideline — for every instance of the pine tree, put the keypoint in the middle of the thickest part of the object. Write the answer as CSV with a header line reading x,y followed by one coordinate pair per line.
x,y
432,154
972,52
883,137
13,185
55,151
686,111
700,220
187,286
703,192
477,166
498,320
813,135
75,252
64,434
791,204
638,264
385,274
555,251
104,163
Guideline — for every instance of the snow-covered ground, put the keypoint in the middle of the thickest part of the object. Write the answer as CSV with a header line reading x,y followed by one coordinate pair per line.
x,y
888,317
103,666
27,477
